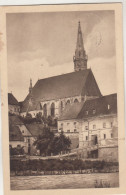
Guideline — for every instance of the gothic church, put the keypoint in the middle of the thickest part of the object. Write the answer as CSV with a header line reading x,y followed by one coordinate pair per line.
x,y
51,95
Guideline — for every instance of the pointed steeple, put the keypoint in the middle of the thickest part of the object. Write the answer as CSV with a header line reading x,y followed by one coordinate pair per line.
x,y
30,87
80,58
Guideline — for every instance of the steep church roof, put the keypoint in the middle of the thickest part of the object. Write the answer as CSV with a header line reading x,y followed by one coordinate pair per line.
x,y
62,86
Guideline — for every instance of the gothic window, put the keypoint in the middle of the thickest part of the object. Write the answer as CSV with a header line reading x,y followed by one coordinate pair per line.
x,y
68,102
109,106
40,107
76,101
52,109
45,110
61,106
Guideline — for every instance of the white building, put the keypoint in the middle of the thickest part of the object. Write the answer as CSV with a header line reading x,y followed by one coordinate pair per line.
x,y
96,122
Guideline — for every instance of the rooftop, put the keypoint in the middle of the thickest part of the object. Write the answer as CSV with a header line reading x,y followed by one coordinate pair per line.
x,y
15,133
12,100
61,86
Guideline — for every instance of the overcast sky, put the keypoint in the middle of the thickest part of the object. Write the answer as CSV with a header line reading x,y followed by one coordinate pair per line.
x,y
40,45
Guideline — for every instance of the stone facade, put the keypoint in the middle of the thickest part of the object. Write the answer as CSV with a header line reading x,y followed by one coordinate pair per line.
x,y
99,128
108,153
80,58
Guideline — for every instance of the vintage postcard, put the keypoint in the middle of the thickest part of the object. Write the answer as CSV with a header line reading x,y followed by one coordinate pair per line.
x,y
62,99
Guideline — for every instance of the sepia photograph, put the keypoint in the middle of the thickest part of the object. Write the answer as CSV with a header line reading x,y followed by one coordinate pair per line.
x,y
62,99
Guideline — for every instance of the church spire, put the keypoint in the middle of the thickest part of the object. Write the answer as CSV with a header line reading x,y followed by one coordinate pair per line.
x,y
30,87
80,58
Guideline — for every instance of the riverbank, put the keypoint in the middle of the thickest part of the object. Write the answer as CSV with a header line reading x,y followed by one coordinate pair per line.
x,y
60,167
70,181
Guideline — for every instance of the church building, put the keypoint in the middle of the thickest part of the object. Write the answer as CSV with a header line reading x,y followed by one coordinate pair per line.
x,y
51,95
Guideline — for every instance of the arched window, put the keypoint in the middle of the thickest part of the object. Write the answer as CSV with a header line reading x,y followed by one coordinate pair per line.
x,y
40,107
52,109
61,106
45,110
76,101
68,102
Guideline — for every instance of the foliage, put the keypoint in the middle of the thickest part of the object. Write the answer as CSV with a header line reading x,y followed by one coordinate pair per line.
x,y
39,118
43,141
47,143
16,151
60,165
59,144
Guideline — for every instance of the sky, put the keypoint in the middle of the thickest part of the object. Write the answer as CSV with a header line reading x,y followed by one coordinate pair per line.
x,y
41,45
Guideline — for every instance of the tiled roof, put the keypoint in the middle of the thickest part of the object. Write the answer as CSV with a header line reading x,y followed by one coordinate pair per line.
x,y
99,106
62,86
15,134
15,120
35,129
12,100
71,111
94,107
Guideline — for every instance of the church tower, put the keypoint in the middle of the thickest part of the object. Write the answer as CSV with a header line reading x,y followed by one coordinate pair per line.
x,y
80,58
30,87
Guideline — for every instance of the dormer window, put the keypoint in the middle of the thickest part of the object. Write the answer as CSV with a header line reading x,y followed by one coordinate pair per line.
x,y
86,112
109,106
94,111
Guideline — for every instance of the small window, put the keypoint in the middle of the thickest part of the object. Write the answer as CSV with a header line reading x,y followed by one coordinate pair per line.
x,y
86,112
86,127
111,135
86,137
104,136
68,124
68,131
104,125
94,111
75,130
109,106
94,126
61,124
75,123
111,124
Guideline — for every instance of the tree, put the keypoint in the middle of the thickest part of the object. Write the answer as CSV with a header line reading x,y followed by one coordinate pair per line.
x,y
19,150
39,117
60,144
43,141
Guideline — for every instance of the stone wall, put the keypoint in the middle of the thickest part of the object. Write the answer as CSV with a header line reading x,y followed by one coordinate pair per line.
x,y
108,153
